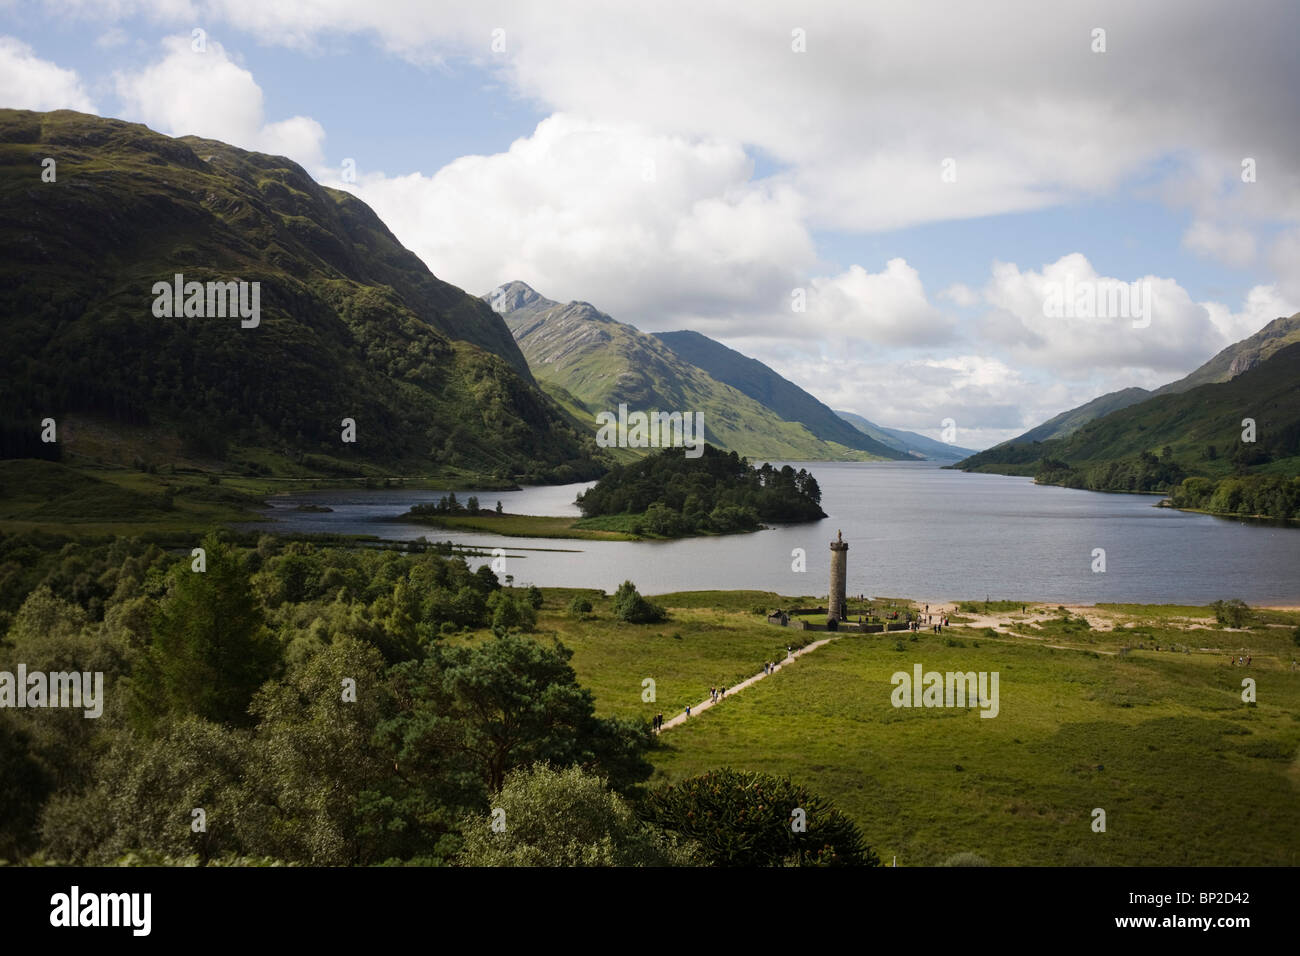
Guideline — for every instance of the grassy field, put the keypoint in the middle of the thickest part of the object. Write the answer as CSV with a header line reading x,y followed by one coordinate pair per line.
x,y
1186,771
524,526
711,638
46,496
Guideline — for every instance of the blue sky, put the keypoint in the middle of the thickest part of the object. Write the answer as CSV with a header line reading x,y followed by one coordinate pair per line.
x,y
688,167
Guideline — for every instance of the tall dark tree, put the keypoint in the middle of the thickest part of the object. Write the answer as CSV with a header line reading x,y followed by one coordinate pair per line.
x,y
211,649
475,712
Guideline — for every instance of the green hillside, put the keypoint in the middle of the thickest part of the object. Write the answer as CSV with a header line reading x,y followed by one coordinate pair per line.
x,y
1068,422
1156,444
1229,363
771,390
601,363
352,324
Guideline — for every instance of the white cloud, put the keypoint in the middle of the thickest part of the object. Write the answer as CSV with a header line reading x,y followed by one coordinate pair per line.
x,y
1011,90
960,294
1263,304
207,94
887,308
1180,335
30,83
1232,246
605,213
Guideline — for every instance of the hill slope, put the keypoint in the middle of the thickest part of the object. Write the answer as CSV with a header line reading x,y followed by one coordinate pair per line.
x,y
1068,422
1193,432
352,324
1226,365
590,358
910,443
765,386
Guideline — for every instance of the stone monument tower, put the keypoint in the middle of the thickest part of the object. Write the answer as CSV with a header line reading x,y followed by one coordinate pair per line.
x,y
837,608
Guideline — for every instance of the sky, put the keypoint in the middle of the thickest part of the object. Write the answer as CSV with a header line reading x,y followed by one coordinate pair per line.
x,y
883,201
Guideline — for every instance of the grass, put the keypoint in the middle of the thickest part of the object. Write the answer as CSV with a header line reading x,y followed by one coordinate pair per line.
x,y
522,526
702,644
48,496
598,528
1187,772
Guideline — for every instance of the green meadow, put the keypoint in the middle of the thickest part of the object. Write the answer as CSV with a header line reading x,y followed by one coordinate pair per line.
x,y
1089,717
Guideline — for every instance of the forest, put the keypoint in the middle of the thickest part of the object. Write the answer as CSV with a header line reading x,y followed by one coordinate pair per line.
x,y
287,703
718,492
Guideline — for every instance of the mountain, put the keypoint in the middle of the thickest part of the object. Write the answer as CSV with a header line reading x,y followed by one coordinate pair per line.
x,y
1198,431
1020,453
592,363
1241,357
352,325
765,386
1068,422
910,443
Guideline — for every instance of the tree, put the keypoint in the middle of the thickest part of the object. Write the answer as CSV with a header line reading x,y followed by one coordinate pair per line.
x,y
579,606
510,613
741,818
145,792
472,504
564,817
475,712
535,599
24,785
1234,613
499,507
339,795
630,606
211,649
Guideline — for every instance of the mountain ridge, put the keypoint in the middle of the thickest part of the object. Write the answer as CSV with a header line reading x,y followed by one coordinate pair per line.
x,y
352,326
599,362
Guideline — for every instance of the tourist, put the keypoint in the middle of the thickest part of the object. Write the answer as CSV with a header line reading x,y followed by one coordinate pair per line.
x,y
1247,660
688,710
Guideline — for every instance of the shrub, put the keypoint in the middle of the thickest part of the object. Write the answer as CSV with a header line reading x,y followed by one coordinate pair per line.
x,y
631,607
741,818
579,606
509,613
965,859
565,818
1234,613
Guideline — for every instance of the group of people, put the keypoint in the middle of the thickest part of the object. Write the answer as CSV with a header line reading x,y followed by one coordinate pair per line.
x,y
1237,660
659,721
717,693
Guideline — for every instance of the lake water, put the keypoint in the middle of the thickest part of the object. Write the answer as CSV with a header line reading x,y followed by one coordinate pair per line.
x,y
914,530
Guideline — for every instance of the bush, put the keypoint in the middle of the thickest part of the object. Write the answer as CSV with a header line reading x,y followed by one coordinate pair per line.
x,y
631,607
741,818
965,859
565,818
579,606
1234,613
510,613
535,597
